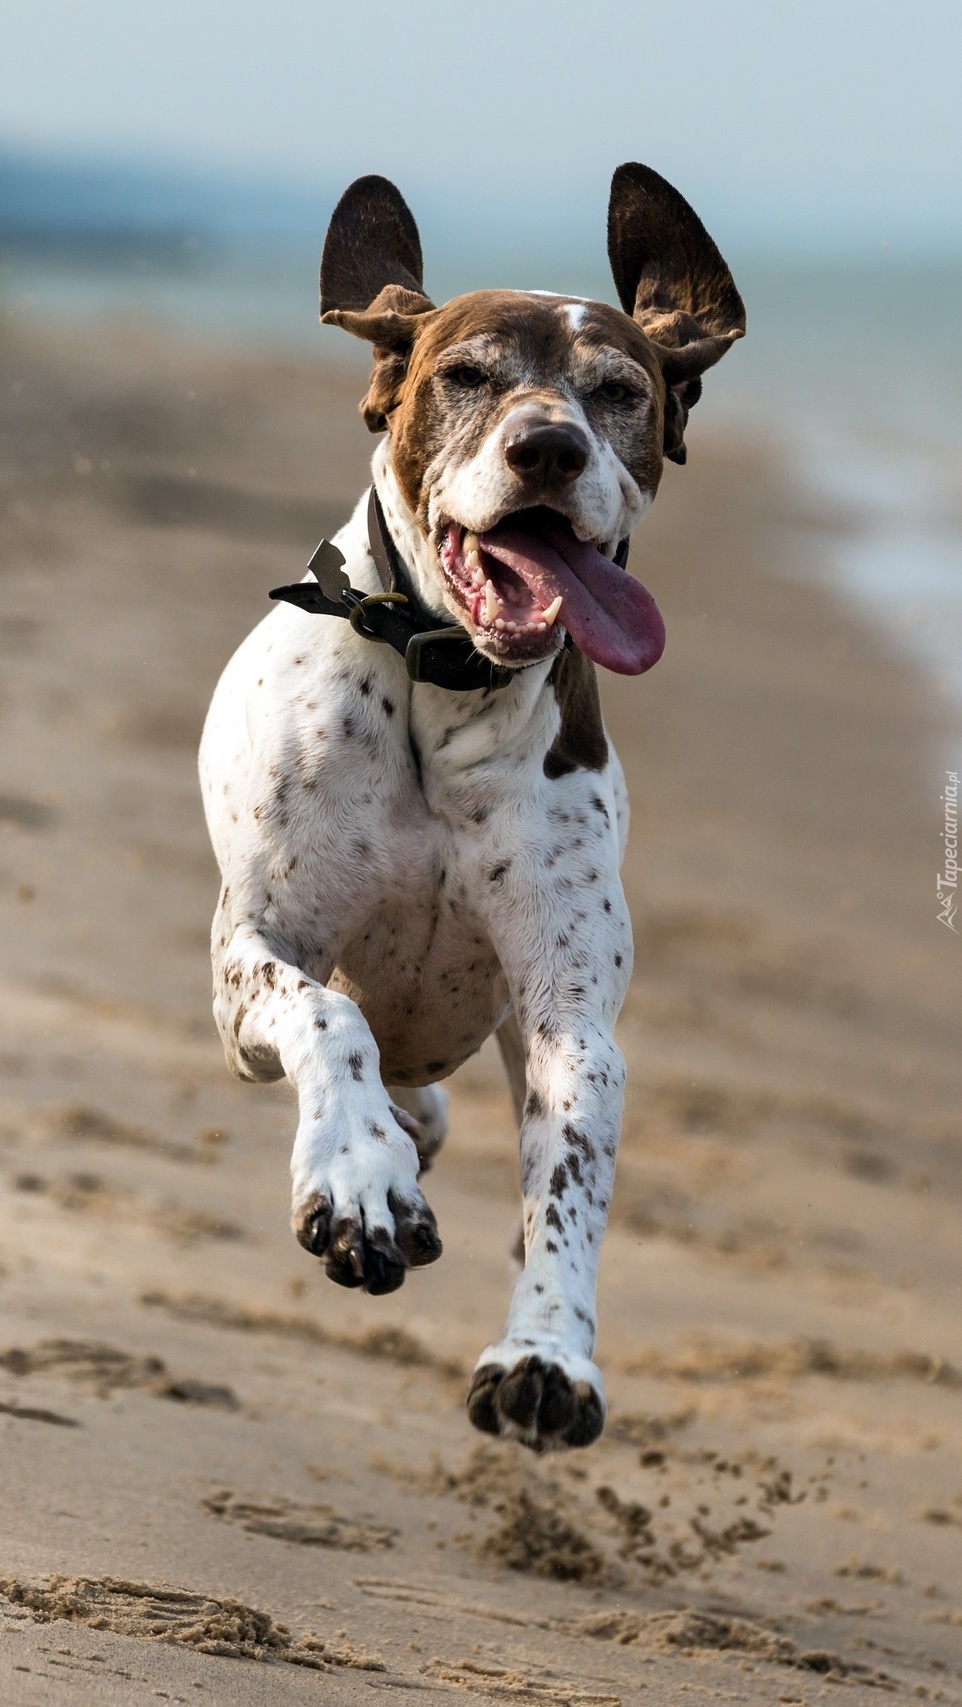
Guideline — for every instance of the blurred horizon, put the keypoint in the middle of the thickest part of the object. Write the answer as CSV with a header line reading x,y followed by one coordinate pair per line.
x,y
824,128
69,200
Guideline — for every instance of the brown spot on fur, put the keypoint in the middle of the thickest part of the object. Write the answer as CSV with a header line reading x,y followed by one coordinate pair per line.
x,y
534,1107
559,1181
579,1141
580,743
356,1064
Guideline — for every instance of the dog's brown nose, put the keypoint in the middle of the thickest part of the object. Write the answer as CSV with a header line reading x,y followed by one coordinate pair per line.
x,y
549,455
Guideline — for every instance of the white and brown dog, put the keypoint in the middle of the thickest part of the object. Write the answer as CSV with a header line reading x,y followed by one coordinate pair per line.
x,y
419,851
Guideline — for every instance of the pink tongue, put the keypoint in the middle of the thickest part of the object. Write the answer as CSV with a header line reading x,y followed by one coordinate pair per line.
x,y
610,616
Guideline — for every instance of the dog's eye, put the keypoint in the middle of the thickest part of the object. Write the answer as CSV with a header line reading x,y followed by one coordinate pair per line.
x,y
614,392
469,377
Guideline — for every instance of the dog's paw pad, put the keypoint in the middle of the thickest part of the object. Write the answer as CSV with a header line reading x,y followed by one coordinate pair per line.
x,y
375,1258
536,1402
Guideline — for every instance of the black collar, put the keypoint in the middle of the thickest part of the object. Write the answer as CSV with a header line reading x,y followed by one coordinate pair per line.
x,y
396,616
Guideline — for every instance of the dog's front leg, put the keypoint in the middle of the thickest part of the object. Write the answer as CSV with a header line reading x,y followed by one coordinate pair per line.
x,y
355,1163
568,966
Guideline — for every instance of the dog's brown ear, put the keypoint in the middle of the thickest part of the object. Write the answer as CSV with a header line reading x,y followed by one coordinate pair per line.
x,y
372,241
672,279
372,278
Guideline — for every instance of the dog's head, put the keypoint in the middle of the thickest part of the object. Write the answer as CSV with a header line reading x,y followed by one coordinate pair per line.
x,y
528,431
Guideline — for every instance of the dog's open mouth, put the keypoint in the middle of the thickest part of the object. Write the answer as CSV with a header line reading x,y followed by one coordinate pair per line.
x,y
527,580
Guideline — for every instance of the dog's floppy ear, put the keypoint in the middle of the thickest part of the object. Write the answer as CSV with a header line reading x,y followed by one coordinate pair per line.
x,y
372,283
372,241
672,279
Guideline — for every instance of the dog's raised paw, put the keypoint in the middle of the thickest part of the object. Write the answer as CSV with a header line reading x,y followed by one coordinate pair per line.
x,y
373,1257
535,1401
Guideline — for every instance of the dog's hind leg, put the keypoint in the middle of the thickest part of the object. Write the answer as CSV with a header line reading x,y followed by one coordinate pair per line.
x,y
511,1045
428,1105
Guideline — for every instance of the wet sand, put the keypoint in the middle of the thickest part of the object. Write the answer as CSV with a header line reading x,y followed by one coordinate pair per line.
x,y
223,1478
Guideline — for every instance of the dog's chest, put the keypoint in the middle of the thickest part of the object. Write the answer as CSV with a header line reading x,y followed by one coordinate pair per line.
x,y
420,962
424,974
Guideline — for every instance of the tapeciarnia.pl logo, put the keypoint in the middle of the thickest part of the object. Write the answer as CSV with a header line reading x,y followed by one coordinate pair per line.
x,y
947,882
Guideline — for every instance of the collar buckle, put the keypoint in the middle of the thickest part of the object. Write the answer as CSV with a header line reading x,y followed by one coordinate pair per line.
x,y
430,656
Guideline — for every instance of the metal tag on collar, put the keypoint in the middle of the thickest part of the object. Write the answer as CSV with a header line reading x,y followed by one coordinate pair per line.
x,y
327,567
328,593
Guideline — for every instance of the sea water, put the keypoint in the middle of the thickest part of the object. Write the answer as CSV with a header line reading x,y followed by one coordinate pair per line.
x,y
854,369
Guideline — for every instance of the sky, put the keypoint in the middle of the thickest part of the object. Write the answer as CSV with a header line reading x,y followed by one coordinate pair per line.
x,y
798,122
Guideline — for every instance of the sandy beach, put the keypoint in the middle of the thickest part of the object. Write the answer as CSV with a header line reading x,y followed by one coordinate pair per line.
x,y
223,1479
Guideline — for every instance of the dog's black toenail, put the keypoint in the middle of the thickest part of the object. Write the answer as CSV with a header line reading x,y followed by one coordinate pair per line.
x,y
589,1418
342,1272
482,1402
313,1231
383,1274
425,1244
345,1258
558,1407
521,1391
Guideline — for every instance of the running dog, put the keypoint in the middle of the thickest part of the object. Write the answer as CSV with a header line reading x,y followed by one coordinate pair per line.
x,y
416,810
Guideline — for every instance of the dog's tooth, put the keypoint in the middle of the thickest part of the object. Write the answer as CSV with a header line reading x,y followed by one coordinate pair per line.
x,y
490,602
478,577
471,544
511,625
499,622
541,627
472,559
550,616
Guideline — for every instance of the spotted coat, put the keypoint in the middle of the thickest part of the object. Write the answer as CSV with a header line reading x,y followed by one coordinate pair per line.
x,y
408,870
